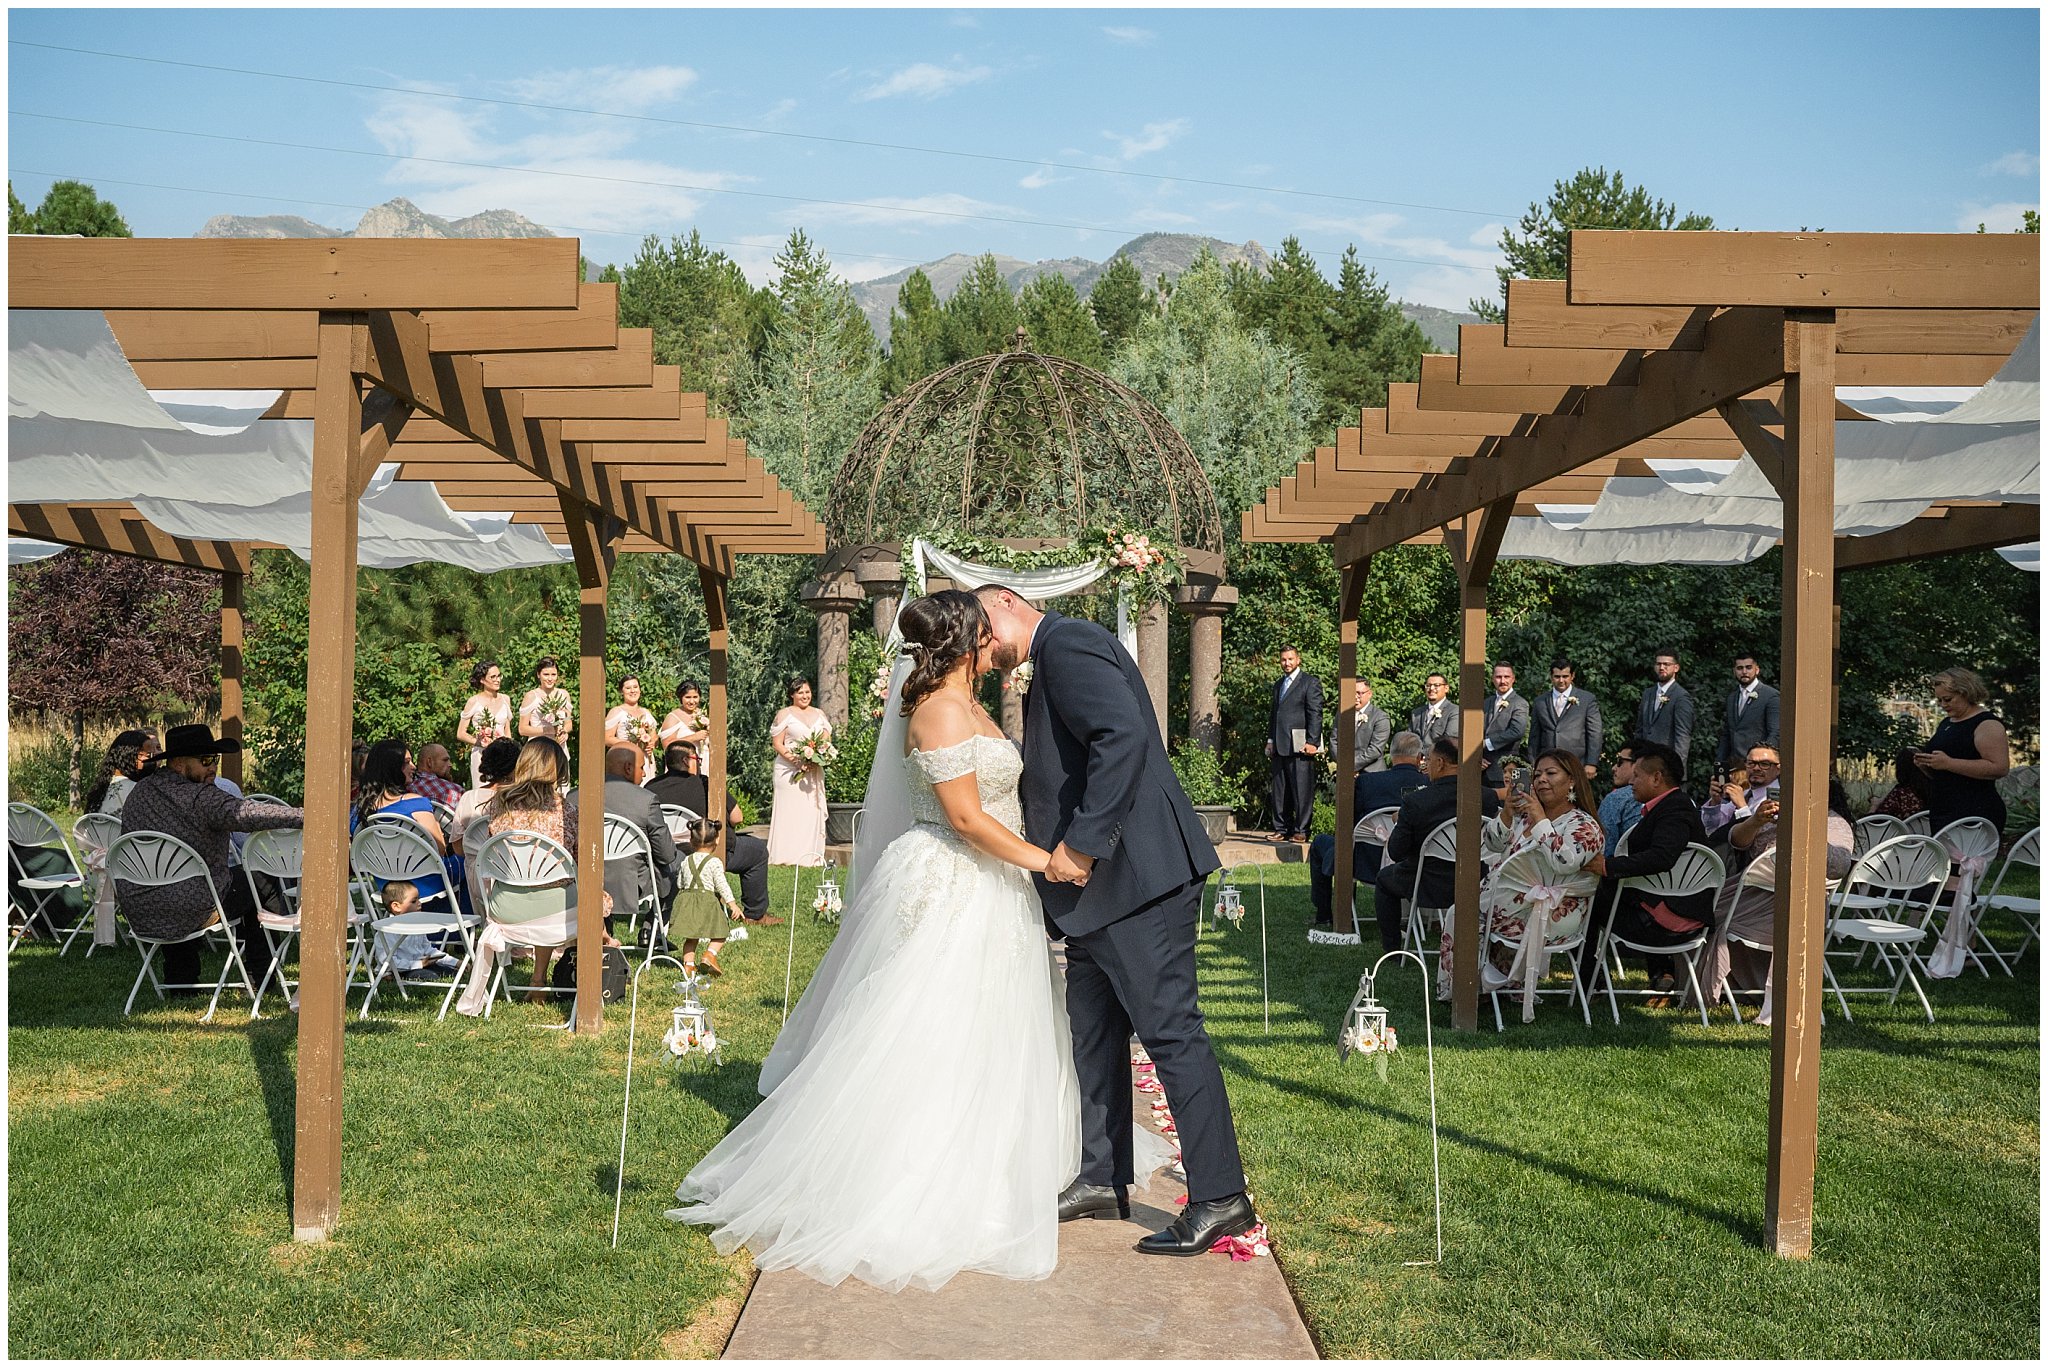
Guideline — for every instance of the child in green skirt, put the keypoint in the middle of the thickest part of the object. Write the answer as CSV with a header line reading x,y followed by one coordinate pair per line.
x,y
704,901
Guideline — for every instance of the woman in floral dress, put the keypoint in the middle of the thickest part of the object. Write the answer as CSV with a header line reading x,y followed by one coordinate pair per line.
x,y
796,827
631,725
486,717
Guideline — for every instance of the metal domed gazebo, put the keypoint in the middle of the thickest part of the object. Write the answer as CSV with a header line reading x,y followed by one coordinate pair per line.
x,y
1030,450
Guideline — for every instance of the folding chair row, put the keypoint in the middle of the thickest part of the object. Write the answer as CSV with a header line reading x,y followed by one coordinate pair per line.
x,y
30,828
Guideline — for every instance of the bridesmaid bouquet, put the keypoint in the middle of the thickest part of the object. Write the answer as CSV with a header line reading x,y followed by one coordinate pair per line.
x,y
555,710
486,729
641,729
817,749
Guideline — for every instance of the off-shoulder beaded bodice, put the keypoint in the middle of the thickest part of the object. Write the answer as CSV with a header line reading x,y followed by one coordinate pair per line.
x,y
996,767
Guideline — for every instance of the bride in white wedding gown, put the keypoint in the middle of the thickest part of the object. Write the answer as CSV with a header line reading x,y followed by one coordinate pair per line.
x,y
920,1112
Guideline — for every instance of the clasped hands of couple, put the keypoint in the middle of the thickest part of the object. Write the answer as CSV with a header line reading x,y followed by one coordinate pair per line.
x,y
1065,865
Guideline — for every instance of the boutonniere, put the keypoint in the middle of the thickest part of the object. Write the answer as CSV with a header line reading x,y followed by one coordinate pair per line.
x,y
1660,700
1020,679
1570,701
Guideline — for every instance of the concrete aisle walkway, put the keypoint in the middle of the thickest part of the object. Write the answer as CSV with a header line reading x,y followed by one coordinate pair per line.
x,y
1102,1302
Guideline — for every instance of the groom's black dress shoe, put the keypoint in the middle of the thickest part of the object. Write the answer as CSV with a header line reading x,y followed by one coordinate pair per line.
x,y
1201,1225
1088,1199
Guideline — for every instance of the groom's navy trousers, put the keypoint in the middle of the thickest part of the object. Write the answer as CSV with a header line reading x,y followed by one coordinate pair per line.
x,y
1137,974
1096,777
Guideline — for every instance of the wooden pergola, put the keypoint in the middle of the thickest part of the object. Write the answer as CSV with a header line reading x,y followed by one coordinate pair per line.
x,y
1674,346
486,367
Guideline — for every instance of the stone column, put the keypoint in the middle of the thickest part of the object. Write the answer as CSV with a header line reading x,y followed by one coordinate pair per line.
x,y
1153,663
879,581
835,600
1205,605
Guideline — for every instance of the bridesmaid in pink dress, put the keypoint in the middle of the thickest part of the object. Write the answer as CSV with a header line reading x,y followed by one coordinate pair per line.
x,y
796,827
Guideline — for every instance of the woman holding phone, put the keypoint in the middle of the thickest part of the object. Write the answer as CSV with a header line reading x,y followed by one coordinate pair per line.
x,y
1967,755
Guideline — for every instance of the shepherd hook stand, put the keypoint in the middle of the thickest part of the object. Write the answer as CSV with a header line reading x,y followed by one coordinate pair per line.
x,y
1366,1016
1229,906
706,1041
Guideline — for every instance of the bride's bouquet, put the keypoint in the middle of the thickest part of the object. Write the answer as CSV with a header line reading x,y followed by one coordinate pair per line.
x,y
555,710
817,749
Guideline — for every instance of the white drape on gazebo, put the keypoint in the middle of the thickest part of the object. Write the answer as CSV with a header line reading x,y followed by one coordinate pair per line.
x,y
1036,585
81,428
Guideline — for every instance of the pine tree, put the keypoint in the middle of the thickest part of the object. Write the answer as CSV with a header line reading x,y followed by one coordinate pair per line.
x,y
818,380
706,318
1591,199
982,316
1119,303
1372,343
73,207
19,219
917,343
1059,323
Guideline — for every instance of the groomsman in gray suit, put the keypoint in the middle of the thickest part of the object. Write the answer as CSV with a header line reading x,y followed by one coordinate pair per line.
x,y
1567,719
1438,715
1750,716
1373,728
1665,712
1507,722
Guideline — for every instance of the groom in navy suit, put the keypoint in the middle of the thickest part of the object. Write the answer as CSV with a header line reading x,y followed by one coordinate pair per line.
x,y
1124,889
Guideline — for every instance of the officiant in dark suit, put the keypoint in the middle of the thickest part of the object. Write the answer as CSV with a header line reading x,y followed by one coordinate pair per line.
x,y
1665,713
1293,740
1507,723
1750,715
1567,718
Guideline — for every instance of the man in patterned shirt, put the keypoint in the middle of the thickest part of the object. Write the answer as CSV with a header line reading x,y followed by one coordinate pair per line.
x,y
431,777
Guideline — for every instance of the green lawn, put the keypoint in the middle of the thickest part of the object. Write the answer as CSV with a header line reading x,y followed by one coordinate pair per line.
x,y
1603,1189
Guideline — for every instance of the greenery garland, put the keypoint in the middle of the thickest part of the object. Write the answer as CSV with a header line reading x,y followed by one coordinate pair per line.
x,y
1142,562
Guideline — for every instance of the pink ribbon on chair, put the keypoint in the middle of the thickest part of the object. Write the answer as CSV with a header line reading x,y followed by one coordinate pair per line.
x,y
1953,947
1531,959
102,892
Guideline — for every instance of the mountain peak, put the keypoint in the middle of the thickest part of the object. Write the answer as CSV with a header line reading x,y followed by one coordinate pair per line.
x,y
395,218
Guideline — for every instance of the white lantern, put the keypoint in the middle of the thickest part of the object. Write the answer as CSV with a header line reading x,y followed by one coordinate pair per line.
x,y
1229,905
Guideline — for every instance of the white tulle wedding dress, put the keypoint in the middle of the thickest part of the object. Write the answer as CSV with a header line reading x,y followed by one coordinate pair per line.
x,y
920,1113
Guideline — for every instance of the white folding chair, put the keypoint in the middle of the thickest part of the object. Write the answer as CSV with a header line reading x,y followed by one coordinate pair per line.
x,y
1699,870
388,850
151,859
626,842
1877,827
29,826
1762,872
1440,845
1919,824
1972,842
268,798
278,854
1526,866
2025,851
518,862
679,818
95,833
1889,879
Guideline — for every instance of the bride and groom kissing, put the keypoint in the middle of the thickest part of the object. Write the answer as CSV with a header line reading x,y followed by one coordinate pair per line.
x,y
942,1098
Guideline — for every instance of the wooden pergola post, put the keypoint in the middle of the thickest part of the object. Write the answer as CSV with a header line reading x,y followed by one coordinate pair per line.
x,y
1807,483
719,639
233,586
1343,886
592,541
1474,542
330,705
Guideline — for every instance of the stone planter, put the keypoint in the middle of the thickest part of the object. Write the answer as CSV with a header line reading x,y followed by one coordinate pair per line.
x,y
839,823
1215,822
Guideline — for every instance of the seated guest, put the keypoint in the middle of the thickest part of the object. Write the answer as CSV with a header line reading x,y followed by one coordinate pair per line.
x,y
494,766
625,881
1670,822
1748,784
1752,911
1371,790
1619,809
387,788
1422,811
126,760
704,901
178,798
532,801
433,778
746,857
1555,819
358,756
1909,789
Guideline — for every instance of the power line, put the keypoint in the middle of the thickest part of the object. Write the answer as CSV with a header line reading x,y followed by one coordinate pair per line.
x,y
760,132
868,206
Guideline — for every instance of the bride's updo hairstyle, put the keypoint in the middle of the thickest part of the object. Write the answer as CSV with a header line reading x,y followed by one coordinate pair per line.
x,y
939,630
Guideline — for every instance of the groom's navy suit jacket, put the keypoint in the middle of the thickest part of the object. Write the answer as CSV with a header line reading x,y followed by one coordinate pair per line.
x,y
1096,777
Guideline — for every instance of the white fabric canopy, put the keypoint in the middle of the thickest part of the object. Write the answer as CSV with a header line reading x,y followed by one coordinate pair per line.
x,y
81,427
1037,585
21,550
1924,447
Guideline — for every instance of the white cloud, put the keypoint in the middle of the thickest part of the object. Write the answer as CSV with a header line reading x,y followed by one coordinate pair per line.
x,y
627,89
1040,178
926,81
1489,236
1996,218
909,213
1434,271
2015,164
1152,138
1130,35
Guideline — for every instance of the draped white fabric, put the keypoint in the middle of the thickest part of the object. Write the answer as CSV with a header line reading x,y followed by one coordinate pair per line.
x,y
1923,447
20,550
81,427
1036,585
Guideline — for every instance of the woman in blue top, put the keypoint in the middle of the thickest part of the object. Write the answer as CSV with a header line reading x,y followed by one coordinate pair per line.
x,y
387,789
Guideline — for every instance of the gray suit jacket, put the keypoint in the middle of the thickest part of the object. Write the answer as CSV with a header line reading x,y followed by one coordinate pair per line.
x,y
1756,725
626,880
1507,726
1445,725
1373,729
1578,732
1672,723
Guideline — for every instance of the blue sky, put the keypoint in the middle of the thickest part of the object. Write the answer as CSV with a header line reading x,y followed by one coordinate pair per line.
x,y
1423,132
